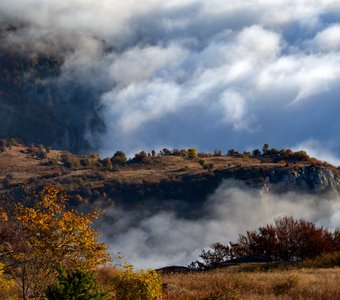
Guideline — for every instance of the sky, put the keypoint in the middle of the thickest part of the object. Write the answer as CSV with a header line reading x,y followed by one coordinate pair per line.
x,y
208,74
195,73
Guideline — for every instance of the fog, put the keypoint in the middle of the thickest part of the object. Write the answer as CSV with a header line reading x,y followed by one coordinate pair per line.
x,y
153,240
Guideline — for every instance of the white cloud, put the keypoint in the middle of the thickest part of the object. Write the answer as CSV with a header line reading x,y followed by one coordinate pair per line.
x,y
328,39
167,69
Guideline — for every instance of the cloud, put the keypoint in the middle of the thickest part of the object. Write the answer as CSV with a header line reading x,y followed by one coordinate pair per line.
x,y
328,39
195,73
151,240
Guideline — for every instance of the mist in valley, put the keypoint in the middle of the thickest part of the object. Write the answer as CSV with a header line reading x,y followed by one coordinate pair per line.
x,y
154,240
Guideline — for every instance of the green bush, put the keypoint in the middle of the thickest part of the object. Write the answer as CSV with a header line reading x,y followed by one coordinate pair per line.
x,y
75,285
145,285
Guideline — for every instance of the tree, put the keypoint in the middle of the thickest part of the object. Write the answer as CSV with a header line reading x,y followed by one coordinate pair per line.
x,y
47,235
256,152
265,148
232,152
75,284
214,257
192,153
166,152
119,157
140,157
286,240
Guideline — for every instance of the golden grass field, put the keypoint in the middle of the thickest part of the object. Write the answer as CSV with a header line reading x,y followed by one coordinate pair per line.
x,y
235,284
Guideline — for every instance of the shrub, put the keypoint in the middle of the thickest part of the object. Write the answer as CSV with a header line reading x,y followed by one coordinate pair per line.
x,y
265,148
107,163
286,240
94,156
217,152
42,154
140,157
300,155
232,152
213,258
84,161
75,284
192,153
145,285
256,152
202,163
119,157
326,260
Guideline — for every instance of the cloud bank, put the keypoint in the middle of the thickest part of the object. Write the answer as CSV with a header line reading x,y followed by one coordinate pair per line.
x,y
211,74
164,239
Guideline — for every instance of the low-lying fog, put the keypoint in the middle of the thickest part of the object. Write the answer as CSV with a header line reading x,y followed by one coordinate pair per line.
x,y
153,240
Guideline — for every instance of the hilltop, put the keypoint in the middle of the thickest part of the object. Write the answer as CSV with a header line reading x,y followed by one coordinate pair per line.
x,y
156,178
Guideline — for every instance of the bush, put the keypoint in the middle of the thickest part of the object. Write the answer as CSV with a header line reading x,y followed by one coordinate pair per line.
x,y
84,161
213,258
286,240
232,152
327,260
202,163
107,163
300,155
192,153
140,157
119,157
75,284
145,285
256,152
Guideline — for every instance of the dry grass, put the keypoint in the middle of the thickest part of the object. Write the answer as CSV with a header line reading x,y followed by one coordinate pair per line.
x,y
230,284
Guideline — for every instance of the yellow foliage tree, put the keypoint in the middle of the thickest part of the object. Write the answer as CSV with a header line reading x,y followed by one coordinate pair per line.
x,y
52,235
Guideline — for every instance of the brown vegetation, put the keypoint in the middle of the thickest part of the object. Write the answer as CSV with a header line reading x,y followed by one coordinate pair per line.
x,y
234,283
